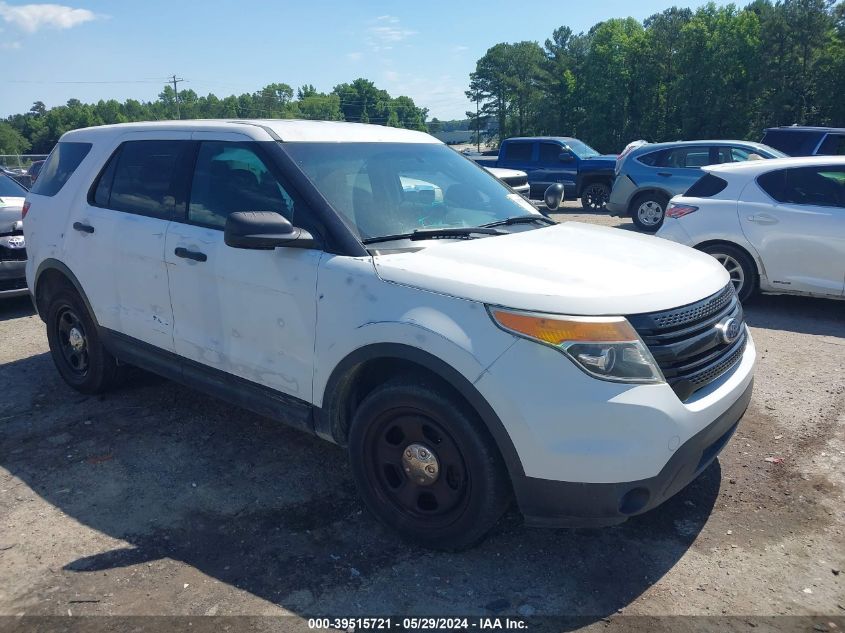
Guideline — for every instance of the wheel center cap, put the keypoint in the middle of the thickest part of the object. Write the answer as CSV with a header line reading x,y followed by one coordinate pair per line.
x,y
420,464
76,340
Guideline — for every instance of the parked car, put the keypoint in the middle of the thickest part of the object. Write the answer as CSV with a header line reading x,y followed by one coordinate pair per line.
x,y
433,339
777,226
651,174
800,140
547,160
18,175
12,243
34,170
515,179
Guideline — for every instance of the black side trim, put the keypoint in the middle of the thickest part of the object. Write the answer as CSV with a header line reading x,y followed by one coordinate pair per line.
x,y
549,503
55,264
325,423
234,389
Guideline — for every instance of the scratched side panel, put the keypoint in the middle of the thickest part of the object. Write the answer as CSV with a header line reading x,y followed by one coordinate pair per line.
x,y
355,308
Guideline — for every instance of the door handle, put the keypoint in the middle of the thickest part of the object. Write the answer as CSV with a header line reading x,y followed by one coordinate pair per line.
x,y
186,254
664,174
83,228
763,218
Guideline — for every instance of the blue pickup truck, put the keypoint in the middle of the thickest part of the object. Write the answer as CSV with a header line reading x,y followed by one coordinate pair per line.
x,y
583,172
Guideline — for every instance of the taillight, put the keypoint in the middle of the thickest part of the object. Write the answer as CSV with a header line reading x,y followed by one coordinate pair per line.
x,y
25,209
680,210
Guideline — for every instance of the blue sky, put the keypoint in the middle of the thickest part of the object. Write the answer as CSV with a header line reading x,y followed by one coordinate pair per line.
x,y
54,52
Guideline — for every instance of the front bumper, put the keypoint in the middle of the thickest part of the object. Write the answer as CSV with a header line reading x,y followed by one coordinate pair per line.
x,y
548,503
12,279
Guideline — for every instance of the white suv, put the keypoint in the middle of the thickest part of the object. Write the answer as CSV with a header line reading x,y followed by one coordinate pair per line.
x,y
373,287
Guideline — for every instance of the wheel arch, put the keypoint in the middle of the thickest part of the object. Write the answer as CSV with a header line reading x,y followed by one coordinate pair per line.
x,y
52,273
647,190
365,368
758,264
589,178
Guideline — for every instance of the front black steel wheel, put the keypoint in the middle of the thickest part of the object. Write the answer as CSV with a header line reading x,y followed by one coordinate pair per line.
x,y
425,465
72,340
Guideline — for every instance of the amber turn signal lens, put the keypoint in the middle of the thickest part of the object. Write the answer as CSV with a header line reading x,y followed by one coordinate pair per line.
x,y
557,331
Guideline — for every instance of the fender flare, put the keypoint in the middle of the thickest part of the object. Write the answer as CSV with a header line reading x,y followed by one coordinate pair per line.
x,y
324,422
55,264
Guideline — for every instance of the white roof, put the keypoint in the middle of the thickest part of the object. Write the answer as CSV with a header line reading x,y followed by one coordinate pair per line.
x,y
292,130
752,168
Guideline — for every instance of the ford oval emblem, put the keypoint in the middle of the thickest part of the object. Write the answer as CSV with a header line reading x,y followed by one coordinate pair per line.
x,y
729,330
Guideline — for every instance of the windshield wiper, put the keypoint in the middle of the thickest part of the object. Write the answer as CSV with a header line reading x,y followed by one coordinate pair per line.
x,y
520,219
430,234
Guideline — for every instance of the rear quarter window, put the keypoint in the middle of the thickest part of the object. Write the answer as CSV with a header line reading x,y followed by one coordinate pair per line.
x,y
706,187
60,165
652,159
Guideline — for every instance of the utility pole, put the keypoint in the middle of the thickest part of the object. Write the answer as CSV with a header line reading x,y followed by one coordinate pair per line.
x,y
477,125
175,80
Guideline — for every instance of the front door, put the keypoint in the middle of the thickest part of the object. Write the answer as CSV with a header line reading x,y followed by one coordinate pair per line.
x,y
250,313
795,218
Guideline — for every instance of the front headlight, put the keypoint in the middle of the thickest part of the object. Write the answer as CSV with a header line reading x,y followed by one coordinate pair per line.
x,y
604,347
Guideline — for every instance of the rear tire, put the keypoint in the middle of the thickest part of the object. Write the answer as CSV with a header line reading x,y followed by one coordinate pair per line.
x,y
740,267
595,196
648,210
75,345
425,466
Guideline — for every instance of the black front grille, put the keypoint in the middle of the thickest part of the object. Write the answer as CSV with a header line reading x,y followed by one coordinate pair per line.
x,y
516,181
12,254
12,284
687,343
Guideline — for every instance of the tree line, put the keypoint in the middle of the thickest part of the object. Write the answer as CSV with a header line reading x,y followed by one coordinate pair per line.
x,y
38,130
716,72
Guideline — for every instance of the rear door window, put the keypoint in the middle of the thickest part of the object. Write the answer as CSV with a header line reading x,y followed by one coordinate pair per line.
x,y
146,178
60,165
519,151
813,186
686,157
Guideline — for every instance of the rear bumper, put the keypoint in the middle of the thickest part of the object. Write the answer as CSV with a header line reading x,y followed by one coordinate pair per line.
x,y
549,503
616,208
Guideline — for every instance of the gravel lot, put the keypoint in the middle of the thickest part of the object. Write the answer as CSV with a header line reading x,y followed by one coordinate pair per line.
x,y
158,500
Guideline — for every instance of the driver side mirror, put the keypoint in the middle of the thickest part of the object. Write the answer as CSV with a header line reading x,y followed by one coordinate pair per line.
x,y
566,157
554,196
264,230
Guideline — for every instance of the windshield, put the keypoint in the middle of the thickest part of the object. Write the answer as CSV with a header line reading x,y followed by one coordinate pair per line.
x,y
11,189
582,150
384,189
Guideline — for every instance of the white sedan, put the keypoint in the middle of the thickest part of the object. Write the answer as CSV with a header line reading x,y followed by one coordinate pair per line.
x,y
777,226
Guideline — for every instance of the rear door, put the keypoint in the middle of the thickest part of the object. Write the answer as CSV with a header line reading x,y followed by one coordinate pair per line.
x,y
795,218
678,168
115,240
250,313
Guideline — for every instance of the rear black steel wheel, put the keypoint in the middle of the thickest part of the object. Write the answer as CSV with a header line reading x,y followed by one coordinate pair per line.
x,y
424,465
75,344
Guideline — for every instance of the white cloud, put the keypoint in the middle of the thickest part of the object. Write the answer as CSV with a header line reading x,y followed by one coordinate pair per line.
x,y
391,75
354,56
33,17
460,48
10,46
385,32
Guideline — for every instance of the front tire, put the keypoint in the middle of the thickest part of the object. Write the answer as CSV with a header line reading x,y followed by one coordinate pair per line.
x,y
740,267
75,345
595,196
648,211
425,466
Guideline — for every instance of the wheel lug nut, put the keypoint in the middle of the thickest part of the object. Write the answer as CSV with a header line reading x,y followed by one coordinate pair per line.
x,y
423,453
408,453
429,469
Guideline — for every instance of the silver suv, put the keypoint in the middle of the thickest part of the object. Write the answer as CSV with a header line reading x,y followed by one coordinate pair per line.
x,y
648,175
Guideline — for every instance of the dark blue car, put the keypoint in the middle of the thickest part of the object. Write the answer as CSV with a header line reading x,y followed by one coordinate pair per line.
x,y
803,140
583,172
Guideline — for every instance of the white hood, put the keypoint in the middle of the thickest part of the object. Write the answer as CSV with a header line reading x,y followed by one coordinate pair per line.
x,y
10,213
571,268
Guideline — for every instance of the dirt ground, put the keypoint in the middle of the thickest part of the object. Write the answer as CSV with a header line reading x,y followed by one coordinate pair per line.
x,y
156,500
